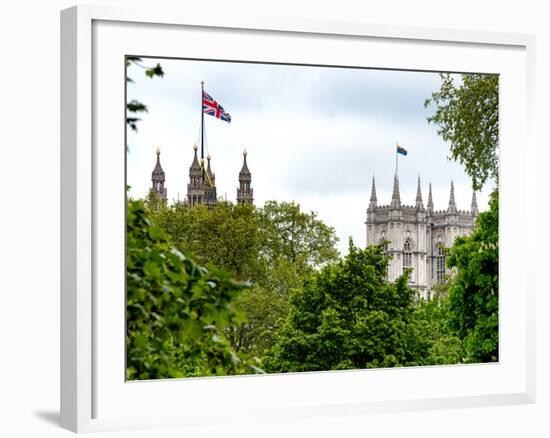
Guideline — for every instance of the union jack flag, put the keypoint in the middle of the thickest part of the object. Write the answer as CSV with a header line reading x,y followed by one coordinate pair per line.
x,y
213,108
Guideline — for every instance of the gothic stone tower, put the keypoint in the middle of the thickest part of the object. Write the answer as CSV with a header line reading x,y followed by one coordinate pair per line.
x,y
158,179
416,236
245,193
210,185
201,188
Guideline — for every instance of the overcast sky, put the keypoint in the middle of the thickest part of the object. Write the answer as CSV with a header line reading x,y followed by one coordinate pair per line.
x,y
315,135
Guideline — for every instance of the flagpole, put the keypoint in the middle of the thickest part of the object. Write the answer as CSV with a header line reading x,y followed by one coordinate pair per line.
x,y
202,127
396,160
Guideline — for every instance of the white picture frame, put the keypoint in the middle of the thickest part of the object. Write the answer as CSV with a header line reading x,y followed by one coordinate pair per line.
x,y
94,395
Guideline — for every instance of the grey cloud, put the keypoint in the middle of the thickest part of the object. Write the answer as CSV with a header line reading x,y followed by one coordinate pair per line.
x,y
246,86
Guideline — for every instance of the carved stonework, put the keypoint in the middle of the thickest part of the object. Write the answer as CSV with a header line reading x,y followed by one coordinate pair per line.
x,y
428,230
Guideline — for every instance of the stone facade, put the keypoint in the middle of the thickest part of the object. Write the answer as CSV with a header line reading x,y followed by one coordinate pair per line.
x,y
416,237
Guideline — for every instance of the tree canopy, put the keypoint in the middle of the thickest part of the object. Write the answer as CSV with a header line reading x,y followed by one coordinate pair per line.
x,y
347,316
473,294
466,115
268,308
273,248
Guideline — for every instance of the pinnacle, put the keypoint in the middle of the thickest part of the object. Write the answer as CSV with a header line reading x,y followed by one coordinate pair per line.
x,y
373,191
474,204
430,199
419,204
452,204
396,197
244,170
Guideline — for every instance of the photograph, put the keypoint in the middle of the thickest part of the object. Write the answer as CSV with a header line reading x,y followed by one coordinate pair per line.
x,y
286,218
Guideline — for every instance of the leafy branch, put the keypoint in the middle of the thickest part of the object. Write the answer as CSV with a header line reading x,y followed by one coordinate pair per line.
x,y
135,107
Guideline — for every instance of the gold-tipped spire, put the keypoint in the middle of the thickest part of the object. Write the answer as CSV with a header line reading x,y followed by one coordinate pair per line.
x,y
195,147
208,157
245,153
158,151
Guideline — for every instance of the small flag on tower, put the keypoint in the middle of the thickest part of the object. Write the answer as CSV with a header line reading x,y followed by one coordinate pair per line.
x,y
213,108
401,150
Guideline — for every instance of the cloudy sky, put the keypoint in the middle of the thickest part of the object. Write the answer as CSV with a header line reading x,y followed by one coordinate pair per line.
x,y
315,135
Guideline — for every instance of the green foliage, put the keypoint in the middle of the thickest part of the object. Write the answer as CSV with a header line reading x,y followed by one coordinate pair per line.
x,y
227,236
297,237
273,248
176,310
473,295
305,308
347,316
264,313
432,334
135,107
467,116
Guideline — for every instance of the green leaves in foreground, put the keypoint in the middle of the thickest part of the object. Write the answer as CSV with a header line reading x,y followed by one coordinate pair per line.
x,y
473,295
134,107
176,310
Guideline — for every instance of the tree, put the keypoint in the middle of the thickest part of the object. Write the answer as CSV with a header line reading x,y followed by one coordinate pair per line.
x,y
432,334
227,236
134,107
298,237
263,314
274,248
466,115
347,316
473,295
176,310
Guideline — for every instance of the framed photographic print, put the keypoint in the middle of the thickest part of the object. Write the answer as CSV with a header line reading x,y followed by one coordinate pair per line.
x,y
272,219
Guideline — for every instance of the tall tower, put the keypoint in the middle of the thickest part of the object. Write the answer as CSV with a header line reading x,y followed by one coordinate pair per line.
x,y
417,236
245,193
195,187
209,183
158,179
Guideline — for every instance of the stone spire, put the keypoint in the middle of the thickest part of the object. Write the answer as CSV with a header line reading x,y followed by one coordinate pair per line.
x,y
419,204
474,209
373,200
395,197
245,193
209,170
195,167
430,206
196,186
158,179
452,204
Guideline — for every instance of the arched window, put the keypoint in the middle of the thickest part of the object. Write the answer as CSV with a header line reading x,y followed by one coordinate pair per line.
x,y
440,265
407,254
